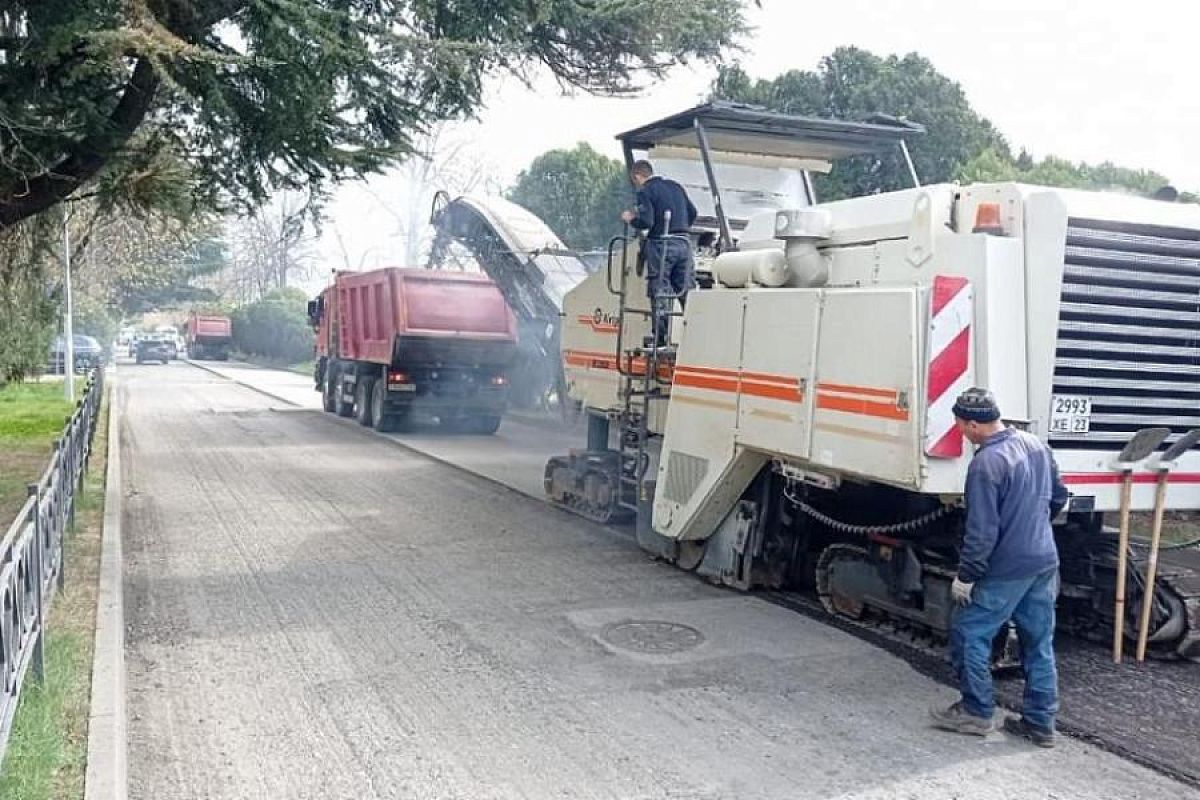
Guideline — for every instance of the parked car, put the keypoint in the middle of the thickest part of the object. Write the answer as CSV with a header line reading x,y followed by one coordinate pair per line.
x,y
150,348
89,353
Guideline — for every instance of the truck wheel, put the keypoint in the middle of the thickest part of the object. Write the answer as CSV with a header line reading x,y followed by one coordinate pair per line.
x,y
340,406
487,424
327,394
363,395
380,421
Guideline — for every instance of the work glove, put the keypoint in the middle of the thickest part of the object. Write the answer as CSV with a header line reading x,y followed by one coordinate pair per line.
x,y
961,592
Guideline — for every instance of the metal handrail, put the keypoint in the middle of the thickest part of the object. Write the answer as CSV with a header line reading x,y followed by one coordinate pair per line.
x,y
624,240
32,555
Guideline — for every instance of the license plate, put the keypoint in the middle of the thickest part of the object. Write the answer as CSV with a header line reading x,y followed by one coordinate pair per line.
x,y
1070,413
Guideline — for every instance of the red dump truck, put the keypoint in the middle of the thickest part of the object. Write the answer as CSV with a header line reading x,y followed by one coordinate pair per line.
x,y
394,344
209,336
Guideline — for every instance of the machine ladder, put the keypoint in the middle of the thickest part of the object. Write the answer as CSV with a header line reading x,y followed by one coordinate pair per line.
x,y
645,376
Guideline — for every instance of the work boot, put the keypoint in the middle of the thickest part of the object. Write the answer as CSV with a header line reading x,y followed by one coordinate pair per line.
x,y
957,719
1019,726
648,342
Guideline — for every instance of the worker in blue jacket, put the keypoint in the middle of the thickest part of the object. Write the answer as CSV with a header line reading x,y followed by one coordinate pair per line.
x,y
1008,570
666,214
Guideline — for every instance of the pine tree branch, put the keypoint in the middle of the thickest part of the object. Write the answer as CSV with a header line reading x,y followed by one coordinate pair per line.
x,y
21,200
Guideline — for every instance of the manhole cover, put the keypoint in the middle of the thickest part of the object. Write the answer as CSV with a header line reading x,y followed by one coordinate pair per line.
x,y
652,636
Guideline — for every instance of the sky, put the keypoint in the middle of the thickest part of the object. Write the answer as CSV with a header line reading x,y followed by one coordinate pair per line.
x,y
1087,81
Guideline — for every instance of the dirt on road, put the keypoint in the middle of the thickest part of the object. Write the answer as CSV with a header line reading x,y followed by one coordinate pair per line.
x,y
313,612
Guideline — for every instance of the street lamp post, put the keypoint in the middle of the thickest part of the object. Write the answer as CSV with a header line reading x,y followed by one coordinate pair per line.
x,y
68,320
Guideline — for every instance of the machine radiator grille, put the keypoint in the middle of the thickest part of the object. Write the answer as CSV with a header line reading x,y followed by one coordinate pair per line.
x,y
1129,330
685,472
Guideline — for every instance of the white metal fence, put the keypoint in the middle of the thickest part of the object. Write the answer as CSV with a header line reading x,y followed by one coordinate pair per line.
x,y
32,558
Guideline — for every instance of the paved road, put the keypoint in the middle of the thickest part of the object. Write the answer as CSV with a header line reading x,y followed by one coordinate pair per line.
x,y
515,456
313,612
1149,711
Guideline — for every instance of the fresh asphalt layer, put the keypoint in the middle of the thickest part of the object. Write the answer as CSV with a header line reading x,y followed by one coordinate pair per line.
x,y
312,612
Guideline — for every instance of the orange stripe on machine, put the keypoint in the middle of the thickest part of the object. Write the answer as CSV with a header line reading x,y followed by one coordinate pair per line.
x,y
865,391
719,384
593,359
862,406
757,384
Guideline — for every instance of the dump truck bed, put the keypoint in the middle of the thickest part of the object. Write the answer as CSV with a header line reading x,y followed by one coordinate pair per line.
x,y
209,327
390,315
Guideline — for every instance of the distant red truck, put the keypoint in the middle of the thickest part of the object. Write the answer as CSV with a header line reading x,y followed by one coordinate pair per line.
x,y
209,336
394,343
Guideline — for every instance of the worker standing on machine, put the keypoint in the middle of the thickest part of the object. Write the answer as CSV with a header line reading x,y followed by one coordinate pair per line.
x,y
1008,570
666,214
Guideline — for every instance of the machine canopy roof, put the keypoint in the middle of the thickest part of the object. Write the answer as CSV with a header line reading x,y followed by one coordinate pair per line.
x,y
743,129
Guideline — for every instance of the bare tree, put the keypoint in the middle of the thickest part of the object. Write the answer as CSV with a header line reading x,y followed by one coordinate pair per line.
x,y
444,158
270,249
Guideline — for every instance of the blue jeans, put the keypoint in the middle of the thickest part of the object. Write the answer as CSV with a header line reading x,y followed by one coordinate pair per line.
x,y
1029,603
670,273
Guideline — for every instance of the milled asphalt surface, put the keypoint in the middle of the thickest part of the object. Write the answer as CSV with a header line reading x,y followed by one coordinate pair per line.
x,y
312,612
514,456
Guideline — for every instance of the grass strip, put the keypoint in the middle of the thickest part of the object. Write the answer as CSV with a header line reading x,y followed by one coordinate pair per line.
x,y
47,753
31,418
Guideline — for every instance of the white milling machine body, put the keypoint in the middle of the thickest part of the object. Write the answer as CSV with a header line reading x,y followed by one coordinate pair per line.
x,y
808,442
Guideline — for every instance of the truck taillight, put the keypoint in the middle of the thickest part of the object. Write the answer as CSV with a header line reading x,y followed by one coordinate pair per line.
x,y
397,376
499,380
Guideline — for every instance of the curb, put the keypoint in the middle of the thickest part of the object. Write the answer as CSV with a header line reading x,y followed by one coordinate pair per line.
x,y
106,752
243,384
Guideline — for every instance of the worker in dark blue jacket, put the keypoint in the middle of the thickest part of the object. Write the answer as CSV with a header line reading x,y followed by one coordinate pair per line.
x,y
1008,570
666,214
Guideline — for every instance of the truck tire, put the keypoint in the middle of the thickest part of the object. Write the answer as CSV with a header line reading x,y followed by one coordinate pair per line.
x,y
340,406
487,424
327,394
363,395
380,420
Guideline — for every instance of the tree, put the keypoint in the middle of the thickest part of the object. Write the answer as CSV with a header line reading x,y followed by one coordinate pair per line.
x,y
959,144
122,263
852,84
28,302
579,193
133,263
259,95
1053,171
269,249
444,159
275,327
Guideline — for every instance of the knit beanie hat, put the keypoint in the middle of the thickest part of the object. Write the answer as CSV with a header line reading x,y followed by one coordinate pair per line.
x,y
977,405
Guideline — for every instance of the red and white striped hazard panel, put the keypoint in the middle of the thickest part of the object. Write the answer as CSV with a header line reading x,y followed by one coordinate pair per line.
x,y
949,363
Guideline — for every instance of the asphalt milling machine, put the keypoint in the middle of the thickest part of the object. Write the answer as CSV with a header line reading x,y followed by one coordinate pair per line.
x,y
795,436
